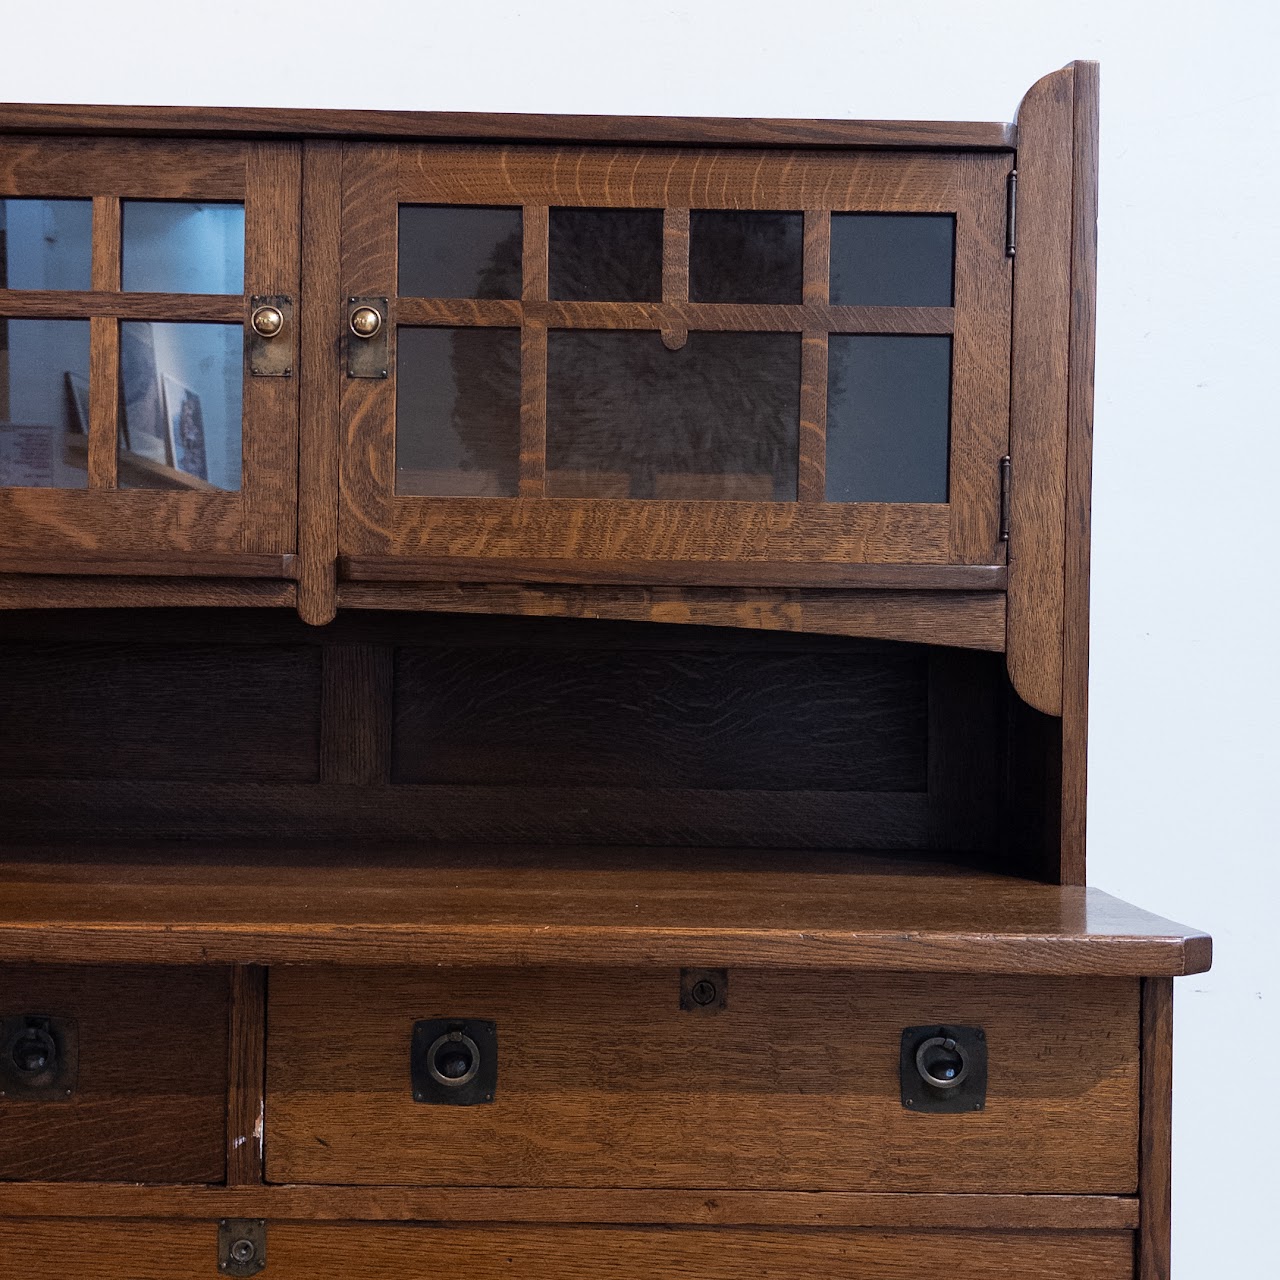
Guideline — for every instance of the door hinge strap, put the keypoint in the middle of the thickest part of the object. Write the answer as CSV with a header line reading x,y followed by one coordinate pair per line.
x,y
1005,468
1011,215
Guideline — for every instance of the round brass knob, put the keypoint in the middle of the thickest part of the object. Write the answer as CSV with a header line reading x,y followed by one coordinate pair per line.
x,y
267,321
365,322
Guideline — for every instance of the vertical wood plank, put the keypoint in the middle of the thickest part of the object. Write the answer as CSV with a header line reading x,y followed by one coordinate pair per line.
x,y
533,356
675,271
980,360
320,328
811,479
1156,1131
104,347
272,239
1075,631
1038,405
355,714
246,1075
370,182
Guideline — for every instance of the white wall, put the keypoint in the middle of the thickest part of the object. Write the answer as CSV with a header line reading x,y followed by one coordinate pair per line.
x,y
1185,693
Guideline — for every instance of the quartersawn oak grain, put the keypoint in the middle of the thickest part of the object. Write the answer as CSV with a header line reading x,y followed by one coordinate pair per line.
x,y
602,906
103,1250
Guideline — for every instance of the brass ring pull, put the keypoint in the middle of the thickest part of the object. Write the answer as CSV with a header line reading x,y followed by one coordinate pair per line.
x,y
267,321
365,322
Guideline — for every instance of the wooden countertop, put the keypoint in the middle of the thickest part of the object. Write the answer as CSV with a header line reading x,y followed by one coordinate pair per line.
x,y
519,906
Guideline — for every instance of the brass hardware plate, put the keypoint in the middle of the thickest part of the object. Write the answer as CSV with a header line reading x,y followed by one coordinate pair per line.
x,y
367,357
242,1246
704,990
453,1062
965,1047
27,1036
270,357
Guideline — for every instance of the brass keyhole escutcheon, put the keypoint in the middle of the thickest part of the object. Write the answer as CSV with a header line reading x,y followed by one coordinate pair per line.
x,y
365,322
267,321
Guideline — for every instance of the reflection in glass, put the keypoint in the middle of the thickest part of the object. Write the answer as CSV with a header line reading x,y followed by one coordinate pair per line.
x,y
174,247
888,418
181,394
460,251
44,403
718,419
458,412
738,256
606,255
46,244
892,259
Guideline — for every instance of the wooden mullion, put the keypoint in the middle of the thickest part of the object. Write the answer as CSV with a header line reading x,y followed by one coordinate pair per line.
x,y
811,480
533,356
675,272
246,1075
104,347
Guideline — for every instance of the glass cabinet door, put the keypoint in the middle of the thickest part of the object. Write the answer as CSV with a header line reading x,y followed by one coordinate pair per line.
x,y
686,365
147,349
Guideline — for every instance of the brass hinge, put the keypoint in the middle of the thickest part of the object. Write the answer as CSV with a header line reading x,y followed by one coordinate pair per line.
x,y
1011,214
1005,468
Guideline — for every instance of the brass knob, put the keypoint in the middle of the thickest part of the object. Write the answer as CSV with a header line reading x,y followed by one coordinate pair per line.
x,y
267,321
365,322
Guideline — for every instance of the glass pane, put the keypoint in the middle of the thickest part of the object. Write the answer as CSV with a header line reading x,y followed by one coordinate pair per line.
x,y
460,251
172,247
606,255
44,403
745,257
181,390
458,412
888,418
892,259
46,244
720,418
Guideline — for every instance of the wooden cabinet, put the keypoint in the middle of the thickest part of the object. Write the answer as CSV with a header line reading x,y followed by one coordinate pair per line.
x,y
544,711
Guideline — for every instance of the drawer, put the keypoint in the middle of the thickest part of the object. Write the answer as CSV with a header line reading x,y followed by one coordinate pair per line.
x,y
604,1080
148,1099
81,1250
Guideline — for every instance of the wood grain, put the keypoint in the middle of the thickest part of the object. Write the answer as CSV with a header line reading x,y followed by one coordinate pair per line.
x,y
141,564
1039,391
972,620
675,272
794,1087
246,1074
104,347
356,711
140,593
1075,636
598,1205
319,382
149,1105
1155,1180
812,472
223,308
131,168
44,119
276,903
91,1250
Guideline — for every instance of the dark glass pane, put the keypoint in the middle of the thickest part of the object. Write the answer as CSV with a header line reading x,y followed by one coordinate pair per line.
x,y
170,246
745,257
458,412
888,418
44,403
719,418
892,259
46,244
606,255
460,251
181,394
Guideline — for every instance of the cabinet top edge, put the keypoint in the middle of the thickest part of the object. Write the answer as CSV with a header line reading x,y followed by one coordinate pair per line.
x,y
455,126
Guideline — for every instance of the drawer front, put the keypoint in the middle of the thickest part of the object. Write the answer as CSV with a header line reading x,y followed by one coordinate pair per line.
x,y
603,1080
80,1250
148,1100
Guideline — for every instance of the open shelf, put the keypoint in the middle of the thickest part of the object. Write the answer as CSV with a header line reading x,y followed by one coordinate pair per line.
x,y
470,905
